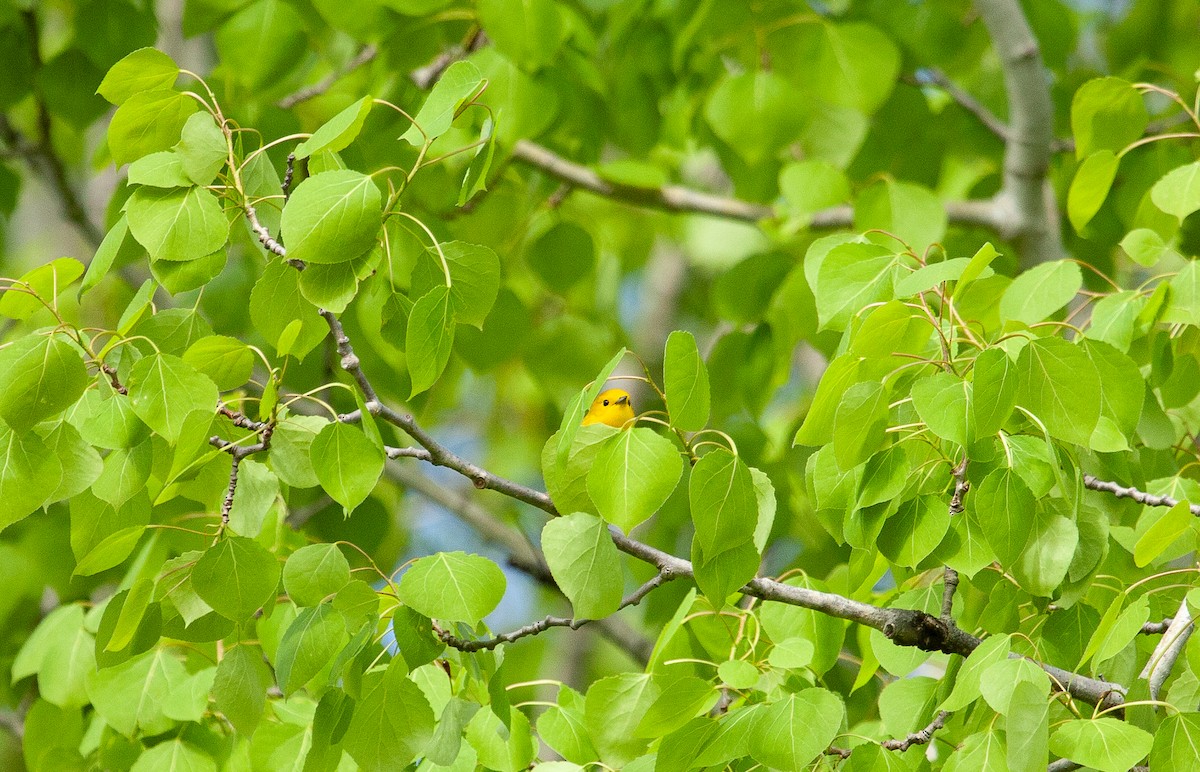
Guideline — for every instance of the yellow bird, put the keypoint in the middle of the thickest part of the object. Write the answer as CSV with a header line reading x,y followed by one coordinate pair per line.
x,y
612,407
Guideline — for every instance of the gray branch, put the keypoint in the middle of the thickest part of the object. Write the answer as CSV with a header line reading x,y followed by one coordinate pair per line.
x,y
1162,660
1025,197
1129,492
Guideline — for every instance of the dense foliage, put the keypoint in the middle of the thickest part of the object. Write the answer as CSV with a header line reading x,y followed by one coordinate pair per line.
x,y
917,385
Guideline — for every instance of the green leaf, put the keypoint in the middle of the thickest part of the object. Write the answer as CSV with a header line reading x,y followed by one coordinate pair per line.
x,y
855,65
453,586
1090,187
1122,390
632,475
28,470
976,268
430,337
529,34
314,573
1183,307
930,276
458,83
393,723
1176,741
993,391
227,361
723,502
719,575
291,444
175,755
147,122
112,247
917,528
177,224
258,43
1145,247
859,426
1037,293
810,186
817,429
1178,192
563,255
332,217
163,169
80,462
909,212
62,655
164,390
276,304
347,464
585,563
851,277
942,401
145,69
1044,564
994,649
1162,534
613,709
236,577
312,640
46,282
1106,114
131,695
39,378
202,148
1004,507
475,180
339,131
794,731
686,382
475,277
1105,743
755,113
1058,384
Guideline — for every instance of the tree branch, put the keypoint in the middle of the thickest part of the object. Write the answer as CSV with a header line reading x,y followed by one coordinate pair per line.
x,y
1156,628
41,155
921,737
320,87
1128,492
1025,194
672,198
676,198
548,622
963,99
1162,660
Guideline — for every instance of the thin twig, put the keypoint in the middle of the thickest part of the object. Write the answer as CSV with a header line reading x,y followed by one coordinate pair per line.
x,y
921,737
963,99
227,504
1129,492
320,87
548,622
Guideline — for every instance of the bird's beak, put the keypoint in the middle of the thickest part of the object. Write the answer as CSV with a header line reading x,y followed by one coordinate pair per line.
x,y
623,401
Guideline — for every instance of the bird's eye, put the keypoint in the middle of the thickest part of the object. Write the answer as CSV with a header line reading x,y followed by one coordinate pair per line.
x,y
606,403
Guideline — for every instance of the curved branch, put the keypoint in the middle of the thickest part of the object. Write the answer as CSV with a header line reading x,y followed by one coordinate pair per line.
x,y
676,198
1031,132
673,198
1162,660
549,621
